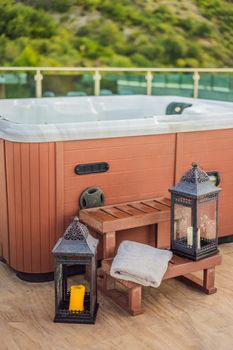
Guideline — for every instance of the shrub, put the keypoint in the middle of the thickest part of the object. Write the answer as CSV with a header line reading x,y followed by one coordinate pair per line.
x,y
20,20
53,5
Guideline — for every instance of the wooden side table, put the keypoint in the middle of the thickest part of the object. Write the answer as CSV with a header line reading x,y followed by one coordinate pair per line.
x,y
108,220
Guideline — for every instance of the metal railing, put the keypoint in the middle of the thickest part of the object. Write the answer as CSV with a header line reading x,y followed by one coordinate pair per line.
x,y
149,74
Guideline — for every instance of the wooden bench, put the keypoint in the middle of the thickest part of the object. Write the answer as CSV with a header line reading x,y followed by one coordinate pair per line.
x,y
178,267
107,221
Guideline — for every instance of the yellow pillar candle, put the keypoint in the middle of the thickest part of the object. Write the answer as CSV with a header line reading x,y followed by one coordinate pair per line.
x,y
77,298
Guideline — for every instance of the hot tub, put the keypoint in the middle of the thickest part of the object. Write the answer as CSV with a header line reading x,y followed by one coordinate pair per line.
x,y
43,140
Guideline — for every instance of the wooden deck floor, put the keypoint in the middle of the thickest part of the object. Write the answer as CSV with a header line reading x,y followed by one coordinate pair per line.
x,y
176,317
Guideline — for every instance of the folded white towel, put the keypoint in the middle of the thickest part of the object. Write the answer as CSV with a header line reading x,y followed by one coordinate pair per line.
x,y
140,263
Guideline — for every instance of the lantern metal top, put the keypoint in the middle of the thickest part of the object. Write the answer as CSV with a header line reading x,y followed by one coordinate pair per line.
x,y
76,241
195,183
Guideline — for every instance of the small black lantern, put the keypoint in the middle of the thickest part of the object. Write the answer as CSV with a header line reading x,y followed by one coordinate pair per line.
x,y
194,215
76,247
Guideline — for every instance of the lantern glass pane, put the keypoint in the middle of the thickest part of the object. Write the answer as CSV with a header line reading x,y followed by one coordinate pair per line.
x,y
183,231
58,274
78,290
206,221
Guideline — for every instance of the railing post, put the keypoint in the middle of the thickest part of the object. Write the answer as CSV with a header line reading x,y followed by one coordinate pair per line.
x,y
149,78
2,90
38,79
97,78
196,78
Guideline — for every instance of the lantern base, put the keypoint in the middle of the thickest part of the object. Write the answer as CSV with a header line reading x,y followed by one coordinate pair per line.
x,y
66,316
198,257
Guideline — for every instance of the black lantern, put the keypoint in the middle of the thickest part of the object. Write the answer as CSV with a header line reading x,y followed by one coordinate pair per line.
x,y
194,215
76,247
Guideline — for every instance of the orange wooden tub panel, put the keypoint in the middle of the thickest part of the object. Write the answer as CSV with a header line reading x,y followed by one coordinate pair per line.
x,y
40,191
31,184
4,240
213,150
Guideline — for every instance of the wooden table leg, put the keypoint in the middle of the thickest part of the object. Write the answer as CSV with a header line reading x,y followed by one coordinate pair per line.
x,y
135,300
109,245
152,232
209,280
163,235
206,285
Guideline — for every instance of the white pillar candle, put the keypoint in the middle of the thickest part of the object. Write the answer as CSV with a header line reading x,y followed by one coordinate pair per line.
x,y
198,239
190,236
175,228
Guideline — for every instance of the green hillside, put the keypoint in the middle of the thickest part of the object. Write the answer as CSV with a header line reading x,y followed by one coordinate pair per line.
x,y
161,33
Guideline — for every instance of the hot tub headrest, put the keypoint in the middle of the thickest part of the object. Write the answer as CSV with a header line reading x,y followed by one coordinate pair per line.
x,y
177,107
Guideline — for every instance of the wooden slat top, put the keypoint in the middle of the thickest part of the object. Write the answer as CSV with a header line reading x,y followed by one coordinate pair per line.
x,y
181,266
126,215
178,266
